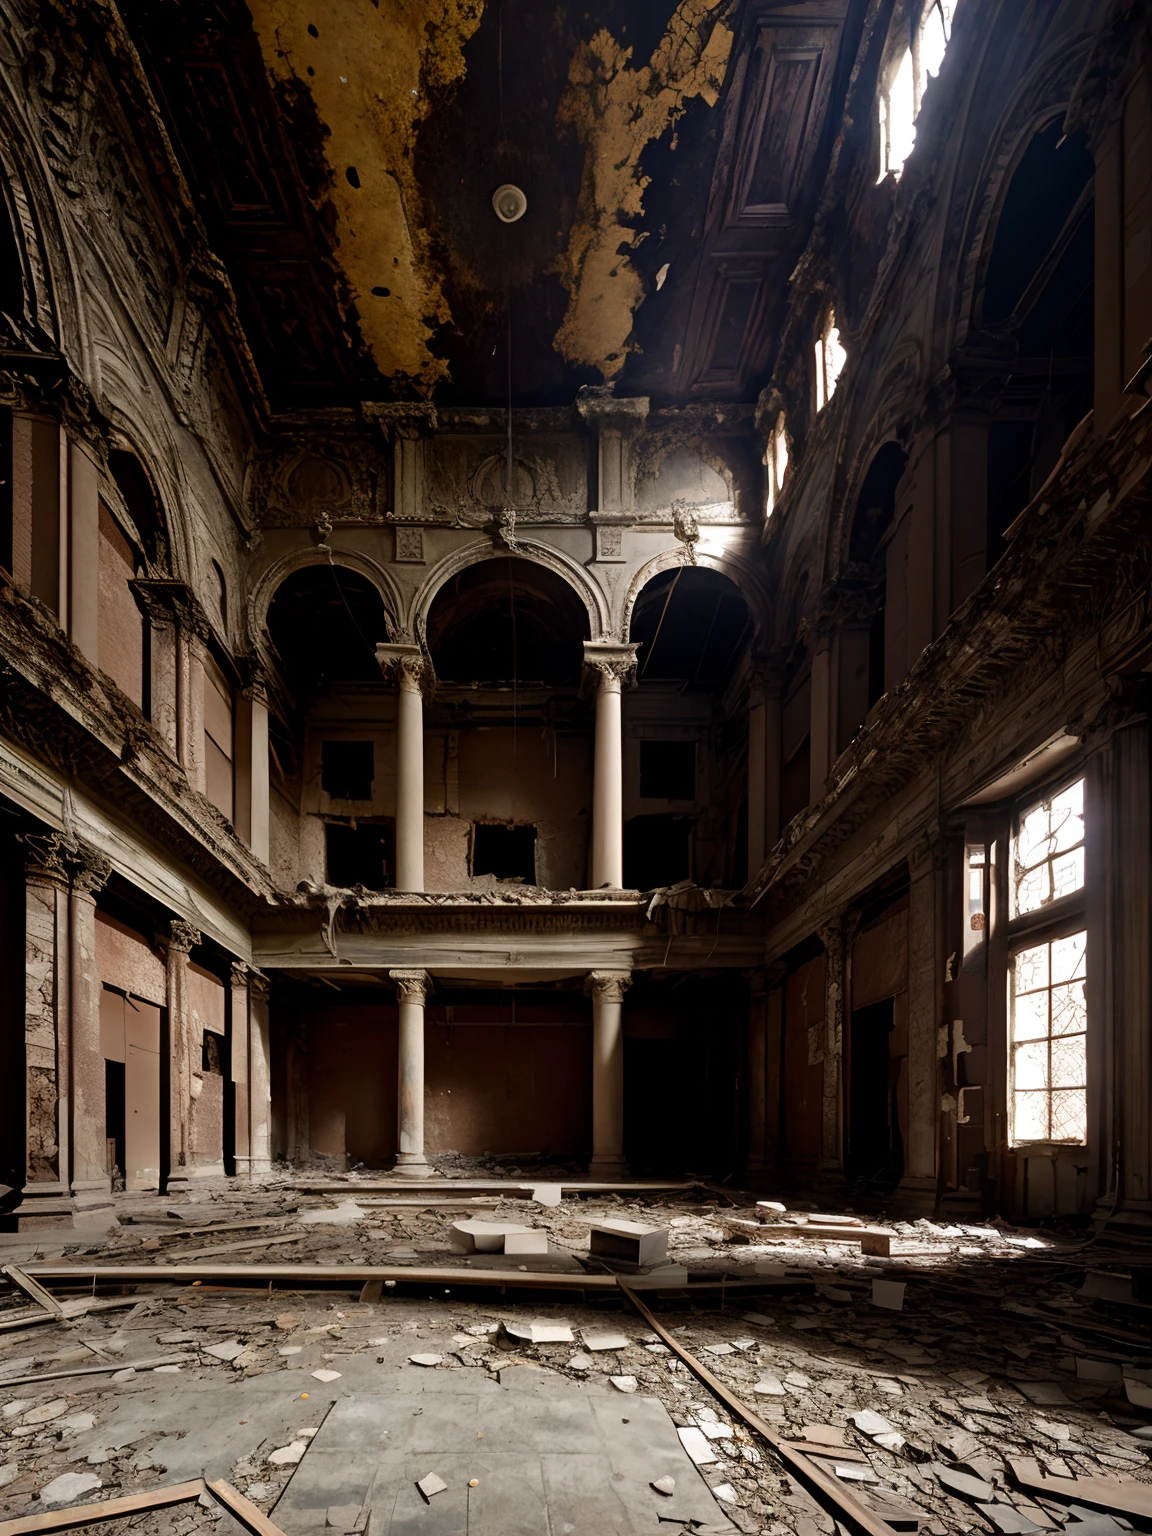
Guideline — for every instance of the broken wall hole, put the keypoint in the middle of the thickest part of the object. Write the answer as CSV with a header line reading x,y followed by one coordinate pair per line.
x,y
508,853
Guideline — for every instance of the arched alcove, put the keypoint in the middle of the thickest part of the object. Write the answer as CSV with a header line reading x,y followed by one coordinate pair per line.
x,y
324,623
142,505
507,620
691,624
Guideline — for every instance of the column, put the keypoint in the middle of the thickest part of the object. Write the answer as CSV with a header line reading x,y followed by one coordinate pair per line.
x,y
83,558
238,1068
90,871
612,666
190,704
409,664
608,989
259,1077
47,1197
411,987
176,1059
154,599
253,792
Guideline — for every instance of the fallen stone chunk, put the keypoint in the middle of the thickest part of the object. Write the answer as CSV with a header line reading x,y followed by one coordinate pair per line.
x,y
68,1486
226,1351
537,1333
797,1379
1045,1394
725,1493
290,1349
719,1349
431,1485
125,1375
963,1483
76,1422
259,1490
624,1383
429,1360
871,1423
601,1341
770,1386
287,1321
289,1455
326,1375
712,1429
167,1370
853,1472
664,1485
695,1442
581,1362
97,1458
1006,1518
46,1412
547,1194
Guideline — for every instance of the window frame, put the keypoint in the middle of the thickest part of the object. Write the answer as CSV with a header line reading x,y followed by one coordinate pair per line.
x,y
894,62
1058,919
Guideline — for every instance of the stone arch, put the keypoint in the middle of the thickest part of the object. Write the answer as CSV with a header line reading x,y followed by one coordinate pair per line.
x,y
741,575
524,549
264,590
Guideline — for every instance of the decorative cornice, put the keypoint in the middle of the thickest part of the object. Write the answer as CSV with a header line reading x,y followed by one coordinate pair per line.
x,y
164,601
408,663
613,662
601,409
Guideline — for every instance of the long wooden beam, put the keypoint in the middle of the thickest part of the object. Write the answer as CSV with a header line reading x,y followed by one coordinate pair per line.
x,y
110,1509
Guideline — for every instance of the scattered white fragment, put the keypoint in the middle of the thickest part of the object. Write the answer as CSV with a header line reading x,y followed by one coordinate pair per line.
x,y
696,1444
289,1455
870,1422
68,1486
306,1434
893,1441
889,1294
744,1344
346,1214
46,1412
719,1349
624,1383
326,1375
425,1359
258,1490
769,1386
725,1493
664,1485
581,1362
853,1472
599,1341
226,1351
797,1379
76,1422
539,1332
431,1484
97,1458
713,1429
547,1194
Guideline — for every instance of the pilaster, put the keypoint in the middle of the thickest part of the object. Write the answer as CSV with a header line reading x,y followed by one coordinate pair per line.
x,y
176,1060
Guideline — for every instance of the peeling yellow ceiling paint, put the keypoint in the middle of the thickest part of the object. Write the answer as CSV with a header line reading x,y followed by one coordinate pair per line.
x,y
374,73
616,111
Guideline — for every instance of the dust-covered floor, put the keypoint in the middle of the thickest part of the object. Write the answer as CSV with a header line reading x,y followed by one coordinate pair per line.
x,y
1000,1346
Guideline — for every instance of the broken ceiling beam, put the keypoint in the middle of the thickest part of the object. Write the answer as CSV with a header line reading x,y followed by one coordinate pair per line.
x,y
30,1288
109,1509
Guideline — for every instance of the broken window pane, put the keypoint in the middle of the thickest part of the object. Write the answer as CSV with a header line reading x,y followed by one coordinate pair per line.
x,y
1048,851
1048,1022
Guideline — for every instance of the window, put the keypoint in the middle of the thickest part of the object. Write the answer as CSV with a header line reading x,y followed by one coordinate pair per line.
x,y
1049,1064
667,770
776,463
347,769
1048,851
657,851
218,738
830,360
907,79
977,920
359,853
509,853
1047,1006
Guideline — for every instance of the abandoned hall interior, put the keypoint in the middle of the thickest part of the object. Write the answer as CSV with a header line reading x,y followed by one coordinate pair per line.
x,y
575,593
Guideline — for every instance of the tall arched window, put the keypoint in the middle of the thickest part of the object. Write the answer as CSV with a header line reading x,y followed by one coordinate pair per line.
x,y
905,79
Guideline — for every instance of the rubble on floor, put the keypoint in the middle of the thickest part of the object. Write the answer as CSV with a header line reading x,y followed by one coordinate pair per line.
x,y
917,1380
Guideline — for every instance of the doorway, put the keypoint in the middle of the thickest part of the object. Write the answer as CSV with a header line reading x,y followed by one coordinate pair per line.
x,y
875,1146
130,1042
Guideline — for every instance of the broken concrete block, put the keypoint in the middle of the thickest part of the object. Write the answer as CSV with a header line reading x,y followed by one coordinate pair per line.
x,y
719,1349
963,1483
889,1294
1005,1518
547,1194
713,1429
725,1493
870,1422
541,1332
227,1351
581,1362
431,1485
664,1485
125,1375
624,1383
602,1341
429,1360
68,1486
323,1375
631,1241
770,1386
526,1242
695,1442
473,1236
289,1455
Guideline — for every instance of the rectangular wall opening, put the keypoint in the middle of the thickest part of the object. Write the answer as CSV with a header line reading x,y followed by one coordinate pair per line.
x,y
347,769
509,853
657,851
360,853
667,770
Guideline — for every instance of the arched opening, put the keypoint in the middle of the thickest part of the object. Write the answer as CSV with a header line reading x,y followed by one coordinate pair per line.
x,y
866,680
507,620
330,728
1039,291
507,737
132,545
686,734
142,505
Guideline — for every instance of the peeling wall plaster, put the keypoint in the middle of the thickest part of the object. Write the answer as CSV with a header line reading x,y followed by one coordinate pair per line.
x,y
376,73
616,111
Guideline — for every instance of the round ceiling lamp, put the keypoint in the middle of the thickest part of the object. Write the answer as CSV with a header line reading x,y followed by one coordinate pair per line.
x,y
510,203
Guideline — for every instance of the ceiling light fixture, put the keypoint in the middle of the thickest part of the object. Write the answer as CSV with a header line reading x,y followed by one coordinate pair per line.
x,y
510,203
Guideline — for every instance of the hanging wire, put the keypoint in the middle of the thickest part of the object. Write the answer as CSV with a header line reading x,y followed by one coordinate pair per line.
x,y
660,625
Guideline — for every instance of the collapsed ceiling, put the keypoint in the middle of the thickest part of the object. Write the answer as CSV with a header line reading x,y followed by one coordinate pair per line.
x,y
344,161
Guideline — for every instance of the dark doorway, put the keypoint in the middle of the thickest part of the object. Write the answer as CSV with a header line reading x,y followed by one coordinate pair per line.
x,y
114,1109
657,851
875,1147
359,853
509,853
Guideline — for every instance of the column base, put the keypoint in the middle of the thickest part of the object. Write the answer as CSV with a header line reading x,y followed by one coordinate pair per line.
x,y
413,1165
44,1208
609,1170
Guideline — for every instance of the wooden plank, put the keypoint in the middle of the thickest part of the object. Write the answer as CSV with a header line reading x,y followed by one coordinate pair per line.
x,y
79,1307
486,1186
1131,1498
250,1242
29,1286
847,1506
110,1509
231,1226
95,1370
350,1275
875,1240
243,1509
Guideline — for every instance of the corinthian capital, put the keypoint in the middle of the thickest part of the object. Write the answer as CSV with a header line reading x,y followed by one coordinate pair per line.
x,y
614,664
608,986
408,663
45,855
412,986
184,937
90,870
